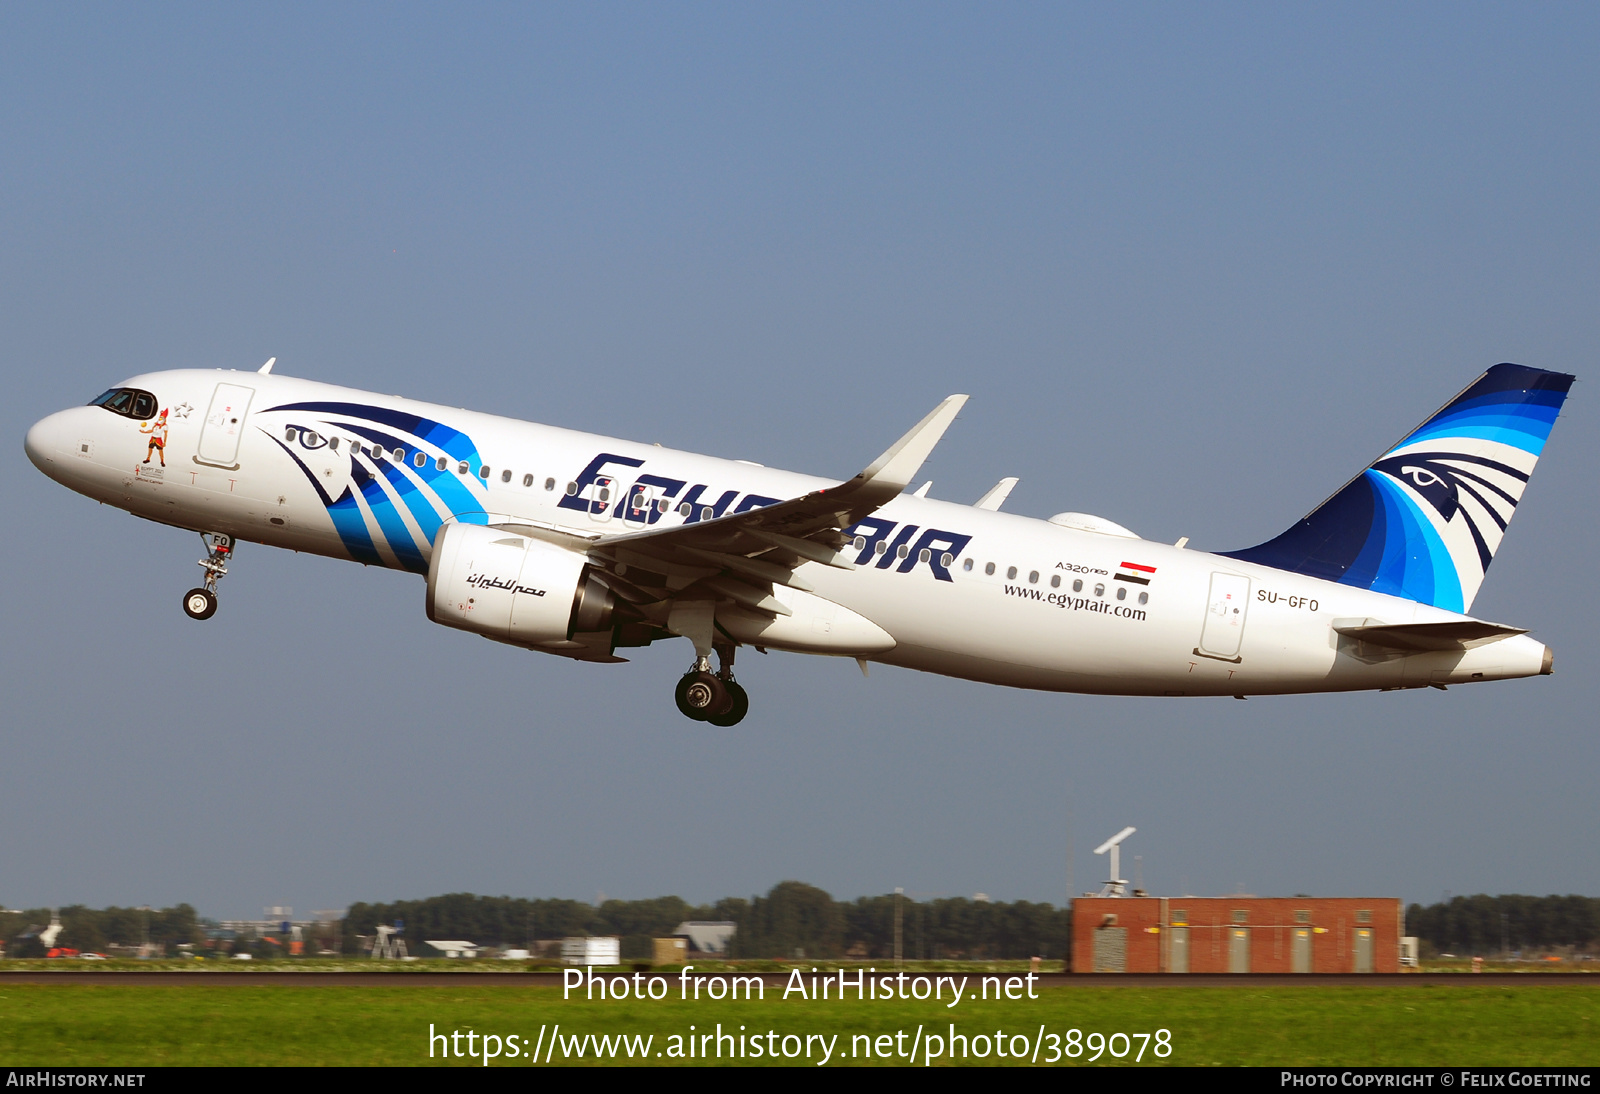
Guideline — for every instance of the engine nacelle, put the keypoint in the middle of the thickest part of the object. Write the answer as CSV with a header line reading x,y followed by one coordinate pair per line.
x,y
513,588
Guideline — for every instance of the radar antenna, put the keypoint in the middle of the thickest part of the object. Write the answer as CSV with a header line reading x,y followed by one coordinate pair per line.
x,y
1115,885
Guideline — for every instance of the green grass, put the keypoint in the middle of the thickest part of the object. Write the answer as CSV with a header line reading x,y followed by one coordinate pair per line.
x,y
121,1025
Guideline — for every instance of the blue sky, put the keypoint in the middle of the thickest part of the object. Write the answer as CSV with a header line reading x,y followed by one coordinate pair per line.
x,y
1196,266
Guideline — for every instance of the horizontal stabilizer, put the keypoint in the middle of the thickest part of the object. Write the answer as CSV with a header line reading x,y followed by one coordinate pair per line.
x,y
1452,634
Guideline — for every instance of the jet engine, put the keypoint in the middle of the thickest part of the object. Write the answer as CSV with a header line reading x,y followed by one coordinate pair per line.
x,y
513,588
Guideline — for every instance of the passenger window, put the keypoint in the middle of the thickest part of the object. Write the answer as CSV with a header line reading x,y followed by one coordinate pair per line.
x,y
1099,590
462,468
902,551
527,480
967,565
379,452
572,489
441,463
505,476
946,560
1077,584
1055,581
144,405
1144,598
1033,577
1011,573
333,443
549,484
420,458
662,505
483,472
880,547
1122,593
289,435
924,555
988,568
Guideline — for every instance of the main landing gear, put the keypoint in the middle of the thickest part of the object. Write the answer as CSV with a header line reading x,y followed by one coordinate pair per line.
x,y
713,697
201,603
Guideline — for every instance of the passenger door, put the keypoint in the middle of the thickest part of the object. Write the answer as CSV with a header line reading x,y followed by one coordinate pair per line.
x,y
223,427
1223,631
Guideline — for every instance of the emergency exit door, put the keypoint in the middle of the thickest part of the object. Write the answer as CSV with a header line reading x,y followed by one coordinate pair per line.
x,y
602,497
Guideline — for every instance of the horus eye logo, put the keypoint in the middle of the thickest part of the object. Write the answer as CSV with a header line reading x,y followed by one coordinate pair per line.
x,y
1421,476
1442,479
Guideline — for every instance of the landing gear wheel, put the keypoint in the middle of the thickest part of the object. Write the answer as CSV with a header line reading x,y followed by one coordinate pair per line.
x,y
700,695
738,706
200,603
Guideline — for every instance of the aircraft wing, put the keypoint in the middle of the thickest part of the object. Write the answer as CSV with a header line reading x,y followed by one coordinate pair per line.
x,y
740,556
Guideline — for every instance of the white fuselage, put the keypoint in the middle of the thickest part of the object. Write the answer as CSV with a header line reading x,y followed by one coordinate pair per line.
x,y
1028,603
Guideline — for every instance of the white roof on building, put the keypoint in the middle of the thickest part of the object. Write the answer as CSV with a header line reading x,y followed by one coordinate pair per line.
x,y
707,936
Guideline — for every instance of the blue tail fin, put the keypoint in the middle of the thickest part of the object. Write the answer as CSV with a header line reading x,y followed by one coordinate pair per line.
x,y
1424,521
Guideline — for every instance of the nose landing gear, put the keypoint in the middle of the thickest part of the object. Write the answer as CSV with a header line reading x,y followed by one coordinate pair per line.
x,y
201,603
713,697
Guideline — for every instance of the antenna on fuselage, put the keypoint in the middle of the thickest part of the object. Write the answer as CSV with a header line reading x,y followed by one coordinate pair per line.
x,y
1115,885
266,368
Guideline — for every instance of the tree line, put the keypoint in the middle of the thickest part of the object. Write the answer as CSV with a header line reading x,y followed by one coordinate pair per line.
x,y
95,929
792,920
1485,925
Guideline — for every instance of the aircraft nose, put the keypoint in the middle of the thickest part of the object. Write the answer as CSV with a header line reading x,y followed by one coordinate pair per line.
x,y
44,443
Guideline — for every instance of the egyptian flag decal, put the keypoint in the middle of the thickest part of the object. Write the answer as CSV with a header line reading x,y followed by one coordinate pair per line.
x,y
1132,571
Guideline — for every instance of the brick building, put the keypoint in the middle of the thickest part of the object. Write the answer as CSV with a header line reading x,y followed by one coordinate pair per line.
x,y
1236,934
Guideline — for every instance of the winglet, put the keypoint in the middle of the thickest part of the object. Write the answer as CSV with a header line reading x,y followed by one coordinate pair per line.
x,y
893,471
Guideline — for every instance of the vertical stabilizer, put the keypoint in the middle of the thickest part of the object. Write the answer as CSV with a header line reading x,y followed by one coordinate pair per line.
x,y
1424,521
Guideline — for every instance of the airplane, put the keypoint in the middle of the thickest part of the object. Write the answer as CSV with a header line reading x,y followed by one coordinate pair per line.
x,y
579,545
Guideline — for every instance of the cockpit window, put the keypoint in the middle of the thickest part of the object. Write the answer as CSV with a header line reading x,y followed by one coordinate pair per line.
x,y
129,402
